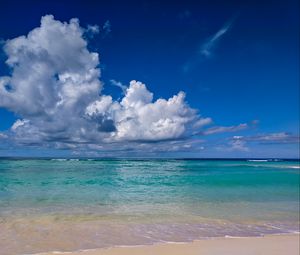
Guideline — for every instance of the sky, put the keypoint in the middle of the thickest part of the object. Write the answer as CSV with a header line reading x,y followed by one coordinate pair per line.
x,y
204,79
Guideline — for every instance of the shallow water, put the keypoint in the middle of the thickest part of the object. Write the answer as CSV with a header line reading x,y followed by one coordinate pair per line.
x,y
80,204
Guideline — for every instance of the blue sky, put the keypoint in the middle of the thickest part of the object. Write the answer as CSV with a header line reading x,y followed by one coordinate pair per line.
x,y
236,61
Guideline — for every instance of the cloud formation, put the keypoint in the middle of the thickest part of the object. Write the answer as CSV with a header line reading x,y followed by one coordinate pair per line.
x,y
137,117
106,28
245,144
237,145
52,71
205,50
119,85
280,137
55,89
220,129
210,44
2,136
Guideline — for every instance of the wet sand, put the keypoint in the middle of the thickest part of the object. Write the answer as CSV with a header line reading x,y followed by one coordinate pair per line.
x,y
267,245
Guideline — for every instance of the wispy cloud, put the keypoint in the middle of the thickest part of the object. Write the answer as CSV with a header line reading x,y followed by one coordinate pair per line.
x,y
206,50
241,143
280,137
238,145
106,28
245,143
92,30
119,85
221,129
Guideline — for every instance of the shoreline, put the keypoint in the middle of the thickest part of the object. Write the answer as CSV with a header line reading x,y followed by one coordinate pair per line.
x,y
275,244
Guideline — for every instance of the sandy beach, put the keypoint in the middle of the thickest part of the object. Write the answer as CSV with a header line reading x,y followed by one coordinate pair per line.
x,y
267,245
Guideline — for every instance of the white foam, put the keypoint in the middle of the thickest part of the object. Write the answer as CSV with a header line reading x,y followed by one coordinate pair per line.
x,y
258,160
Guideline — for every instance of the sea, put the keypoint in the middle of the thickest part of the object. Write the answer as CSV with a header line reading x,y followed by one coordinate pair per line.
x,y
79,204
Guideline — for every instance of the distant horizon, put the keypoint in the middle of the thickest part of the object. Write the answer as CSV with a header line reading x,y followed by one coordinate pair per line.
x,y
146,158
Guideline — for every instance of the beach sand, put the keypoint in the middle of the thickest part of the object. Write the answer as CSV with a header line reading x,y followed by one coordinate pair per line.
x,y
267,245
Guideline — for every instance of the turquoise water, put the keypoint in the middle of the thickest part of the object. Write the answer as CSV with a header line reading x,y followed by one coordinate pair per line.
x,y
129,202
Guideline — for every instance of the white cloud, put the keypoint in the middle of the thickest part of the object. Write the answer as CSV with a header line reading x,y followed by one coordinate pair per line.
x,y
242,143
235,144
106,28
280,137
3,136
52,71
137,117
93,29
18,123
238,145
205,50
220,129
135,149
120,85
55,87
207,47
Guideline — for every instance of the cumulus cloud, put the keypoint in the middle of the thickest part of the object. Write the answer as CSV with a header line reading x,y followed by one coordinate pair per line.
x,y
52,71
55,89
137,117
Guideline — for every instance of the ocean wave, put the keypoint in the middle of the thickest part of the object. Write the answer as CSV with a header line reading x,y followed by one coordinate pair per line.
x,y
64,159
159,241
258,160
